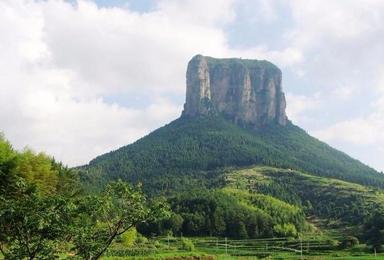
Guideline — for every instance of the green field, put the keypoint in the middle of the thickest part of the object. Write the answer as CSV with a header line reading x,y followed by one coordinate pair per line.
x,y
221,248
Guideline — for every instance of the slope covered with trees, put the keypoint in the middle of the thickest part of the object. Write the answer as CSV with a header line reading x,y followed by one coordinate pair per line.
x,y
229,213
260,202
191,152
270,181
341,204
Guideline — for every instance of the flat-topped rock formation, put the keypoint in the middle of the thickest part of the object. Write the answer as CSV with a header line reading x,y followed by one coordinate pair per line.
x,y
245,91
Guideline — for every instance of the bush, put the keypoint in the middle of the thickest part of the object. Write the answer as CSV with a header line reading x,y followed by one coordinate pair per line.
x,y
141,239
285,230
187,244
130,252
332,244
349,242
156,244
129,237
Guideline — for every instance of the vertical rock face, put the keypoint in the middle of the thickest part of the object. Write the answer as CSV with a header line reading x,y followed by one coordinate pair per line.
x,y
245,91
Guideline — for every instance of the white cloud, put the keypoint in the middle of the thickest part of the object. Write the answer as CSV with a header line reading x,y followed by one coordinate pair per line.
x,y
363,137
59,61
299,105
198,12
360,131
60,64
344,92
115,49
342,49
341,42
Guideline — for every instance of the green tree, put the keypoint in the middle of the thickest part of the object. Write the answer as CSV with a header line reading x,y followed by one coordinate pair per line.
x,y
129,237
101,218
187,244
374,230
8,183
285,230
240,230
32,226
349,242
40,208
34,214
174,223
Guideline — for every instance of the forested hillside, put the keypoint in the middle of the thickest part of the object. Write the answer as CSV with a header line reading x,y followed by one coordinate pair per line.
x,y
341,204
191,151
261,202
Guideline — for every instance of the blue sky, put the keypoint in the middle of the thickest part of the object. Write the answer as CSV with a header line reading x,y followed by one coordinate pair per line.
x,y
136,5
104,73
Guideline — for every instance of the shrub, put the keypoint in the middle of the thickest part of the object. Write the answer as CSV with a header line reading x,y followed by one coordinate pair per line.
x,y
349,242
129,237
141,239
285,230
187,244
332,244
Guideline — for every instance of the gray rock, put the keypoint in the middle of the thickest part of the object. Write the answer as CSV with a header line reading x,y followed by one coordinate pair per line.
x,y
246,91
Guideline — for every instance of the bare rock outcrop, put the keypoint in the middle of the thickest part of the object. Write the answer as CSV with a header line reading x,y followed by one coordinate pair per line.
x,y
245,91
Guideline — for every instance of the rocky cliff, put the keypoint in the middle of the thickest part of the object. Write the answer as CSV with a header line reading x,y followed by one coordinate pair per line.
x,y
245,91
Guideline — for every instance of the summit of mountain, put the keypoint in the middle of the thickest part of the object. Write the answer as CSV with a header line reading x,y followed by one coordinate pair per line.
x,y
234,116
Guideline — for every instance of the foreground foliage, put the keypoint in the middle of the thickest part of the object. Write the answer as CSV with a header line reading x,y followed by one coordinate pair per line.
x,y
42,209
99,219
33,226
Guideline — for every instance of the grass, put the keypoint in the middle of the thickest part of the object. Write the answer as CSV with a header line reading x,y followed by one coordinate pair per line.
x,y
209,253
277,248
206,249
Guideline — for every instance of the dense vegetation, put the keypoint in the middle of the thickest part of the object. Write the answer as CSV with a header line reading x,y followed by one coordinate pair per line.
x,y
43,211
337,205
210,171
229,213
320,183
189,152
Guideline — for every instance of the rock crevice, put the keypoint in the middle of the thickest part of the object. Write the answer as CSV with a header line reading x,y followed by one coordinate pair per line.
x,y
245,91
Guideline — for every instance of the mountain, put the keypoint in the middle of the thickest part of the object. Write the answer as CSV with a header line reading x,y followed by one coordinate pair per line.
x,y
246,91
234,116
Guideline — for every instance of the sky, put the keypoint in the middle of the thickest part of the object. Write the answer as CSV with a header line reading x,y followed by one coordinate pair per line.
x,y
81,78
